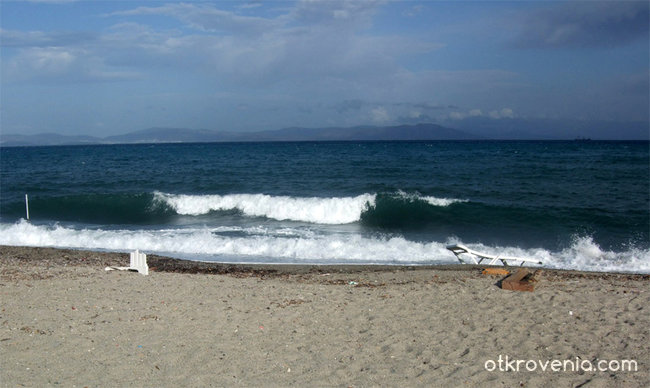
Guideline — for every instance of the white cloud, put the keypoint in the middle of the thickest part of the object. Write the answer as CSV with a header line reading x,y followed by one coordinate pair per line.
x,y
349,13
457,115
318,48
53,1
208,18
46,62
56,64
317,44
304,63
379,115
250,5
505,113
16,38
494,114
311,14
413,10
584,25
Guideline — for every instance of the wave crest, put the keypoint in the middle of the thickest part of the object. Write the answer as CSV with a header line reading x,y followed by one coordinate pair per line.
x,y
341,210
318,210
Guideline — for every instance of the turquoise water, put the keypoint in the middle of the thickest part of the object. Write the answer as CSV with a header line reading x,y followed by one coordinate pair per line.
x,y
582,205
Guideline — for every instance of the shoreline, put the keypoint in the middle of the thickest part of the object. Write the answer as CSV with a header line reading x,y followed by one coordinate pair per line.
x,y
65,320
84,257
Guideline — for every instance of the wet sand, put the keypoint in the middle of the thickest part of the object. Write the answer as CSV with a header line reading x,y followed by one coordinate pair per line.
x,y
65,321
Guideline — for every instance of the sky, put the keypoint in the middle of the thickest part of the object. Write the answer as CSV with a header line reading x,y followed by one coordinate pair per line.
x,y
109,67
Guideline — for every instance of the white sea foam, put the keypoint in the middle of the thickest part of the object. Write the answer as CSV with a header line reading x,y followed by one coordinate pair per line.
x,y
335,210
341,210
271,245
294,246
435,201
442,201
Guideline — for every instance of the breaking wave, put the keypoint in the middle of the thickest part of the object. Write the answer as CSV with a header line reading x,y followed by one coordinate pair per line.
x,y
161,208
335,210
293,245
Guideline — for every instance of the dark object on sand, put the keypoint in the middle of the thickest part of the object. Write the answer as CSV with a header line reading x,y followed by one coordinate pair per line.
x,y
522,280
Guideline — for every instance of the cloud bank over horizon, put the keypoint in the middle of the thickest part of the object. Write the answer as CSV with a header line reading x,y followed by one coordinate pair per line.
x,y
102,68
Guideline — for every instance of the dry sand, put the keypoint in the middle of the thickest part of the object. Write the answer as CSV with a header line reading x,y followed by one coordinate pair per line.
x,y
65,321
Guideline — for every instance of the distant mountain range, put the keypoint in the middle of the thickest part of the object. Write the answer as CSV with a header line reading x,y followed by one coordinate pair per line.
x,y
184,135
469,129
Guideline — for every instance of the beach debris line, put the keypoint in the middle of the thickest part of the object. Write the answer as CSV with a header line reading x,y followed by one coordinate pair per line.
x,y
138,263
522,280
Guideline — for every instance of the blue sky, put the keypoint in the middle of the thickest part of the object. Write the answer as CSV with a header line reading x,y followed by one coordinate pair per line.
x,y
109,67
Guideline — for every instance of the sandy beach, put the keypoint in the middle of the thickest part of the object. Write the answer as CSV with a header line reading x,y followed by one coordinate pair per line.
x,y
66,321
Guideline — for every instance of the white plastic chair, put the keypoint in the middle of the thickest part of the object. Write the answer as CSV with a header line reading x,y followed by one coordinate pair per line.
x,y
137,262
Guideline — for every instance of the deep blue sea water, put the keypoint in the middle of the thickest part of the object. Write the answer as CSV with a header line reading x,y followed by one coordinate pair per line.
x,y
580,205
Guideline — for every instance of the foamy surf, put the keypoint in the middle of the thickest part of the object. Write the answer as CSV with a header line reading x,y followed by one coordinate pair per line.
x,y
250,245
433,201
287,245
317,210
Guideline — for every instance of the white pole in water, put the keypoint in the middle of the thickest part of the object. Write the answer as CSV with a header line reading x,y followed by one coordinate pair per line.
x,y
27,206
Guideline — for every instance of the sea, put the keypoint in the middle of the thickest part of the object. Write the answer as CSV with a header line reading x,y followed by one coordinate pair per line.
x,y
581,205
